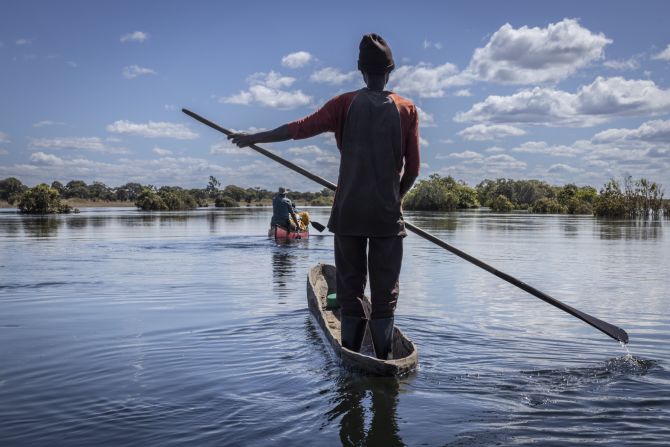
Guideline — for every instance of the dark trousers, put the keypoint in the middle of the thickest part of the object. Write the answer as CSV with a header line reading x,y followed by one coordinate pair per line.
x,y
355,257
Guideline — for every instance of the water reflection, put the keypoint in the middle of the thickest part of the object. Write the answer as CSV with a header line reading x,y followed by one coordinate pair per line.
x,y
283,263
78,222
639,229
368,406
41,226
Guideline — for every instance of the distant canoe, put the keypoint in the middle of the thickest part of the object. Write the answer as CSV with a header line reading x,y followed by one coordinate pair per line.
x,y
321,283
282,233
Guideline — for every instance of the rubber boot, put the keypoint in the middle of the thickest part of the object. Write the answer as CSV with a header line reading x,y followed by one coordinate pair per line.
x,y
381,330
353,330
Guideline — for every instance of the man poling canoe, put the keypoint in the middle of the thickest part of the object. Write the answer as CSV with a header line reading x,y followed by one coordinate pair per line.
x,y
284,133
377,133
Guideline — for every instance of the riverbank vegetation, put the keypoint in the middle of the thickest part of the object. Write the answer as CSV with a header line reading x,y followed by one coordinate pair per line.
x,y
627,199
151,198
636,198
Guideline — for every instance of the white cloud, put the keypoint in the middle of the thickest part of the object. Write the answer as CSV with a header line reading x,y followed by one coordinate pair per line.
x,y
137,36
47,123
494,150
425,118
225,147
423,142
657,131
463,92
484,132
504,161
446,141
466,155
46,159
592,104
663,55
306,150
623,64
334,76
133,71
266,90
424,80
161,152
4,138
535,55
541,147
561,168
23,42
428,44
71,64
92,144
4,152
296,60
271,80
153,129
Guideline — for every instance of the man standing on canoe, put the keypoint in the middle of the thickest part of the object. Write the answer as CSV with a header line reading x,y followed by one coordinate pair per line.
x,y
377,133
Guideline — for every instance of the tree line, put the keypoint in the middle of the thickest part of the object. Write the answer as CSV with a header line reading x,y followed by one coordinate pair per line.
x,y
44,198
630,198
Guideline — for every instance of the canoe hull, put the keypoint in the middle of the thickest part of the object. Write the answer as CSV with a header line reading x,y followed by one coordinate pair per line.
x,y
321,282
282,233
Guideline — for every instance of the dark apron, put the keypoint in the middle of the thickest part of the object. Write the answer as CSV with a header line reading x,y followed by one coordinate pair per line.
x,y
367,200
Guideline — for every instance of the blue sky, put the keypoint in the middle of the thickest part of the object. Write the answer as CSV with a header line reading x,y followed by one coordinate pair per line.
x,y
559,91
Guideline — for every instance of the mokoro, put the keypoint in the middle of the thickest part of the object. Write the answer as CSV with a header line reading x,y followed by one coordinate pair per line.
x,y
320,283
279,232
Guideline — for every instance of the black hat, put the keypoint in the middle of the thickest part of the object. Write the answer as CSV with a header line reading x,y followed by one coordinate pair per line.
x,y
374,55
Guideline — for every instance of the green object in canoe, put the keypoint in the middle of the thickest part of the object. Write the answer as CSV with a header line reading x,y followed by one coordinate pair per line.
x,y
331,301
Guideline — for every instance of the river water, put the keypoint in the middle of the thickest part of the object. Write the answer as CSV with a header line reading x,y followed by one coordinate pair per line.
x,y
125,328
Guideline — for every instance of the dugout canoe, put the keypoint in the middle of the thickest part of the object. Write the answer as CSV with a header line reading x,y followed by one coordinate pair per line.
x,y
321,283
281,233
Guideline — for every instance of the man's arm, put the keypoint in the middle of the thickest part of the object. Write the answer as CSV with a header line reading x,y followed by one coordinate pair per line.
x,y
281,133
406,183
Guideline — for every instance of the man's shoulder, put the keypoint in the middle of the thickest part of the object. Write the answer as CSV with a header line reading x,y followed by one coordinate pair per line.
x,y
401,101
344,98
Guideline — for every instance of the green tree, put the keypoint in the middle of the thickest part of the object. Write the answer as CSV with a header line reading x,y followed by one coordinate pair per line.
x,y
548,205
100,191
11,189
213,186
58,186
42,199
225,202
76,188
149,200
440,194
129,191
501,204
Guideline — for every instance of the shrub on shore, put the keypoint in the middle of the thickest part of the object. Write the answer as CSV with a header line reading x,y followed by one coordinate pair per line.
x,y
167,198
42,199
501,204
223,201
546,205
440,194
638,198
